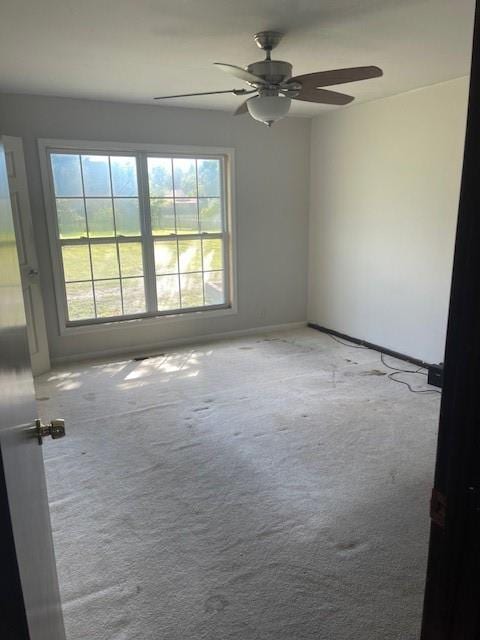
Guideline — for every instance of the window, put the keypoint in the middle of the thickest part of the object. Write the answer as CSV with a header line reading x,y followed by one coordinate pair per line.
x,y
139,233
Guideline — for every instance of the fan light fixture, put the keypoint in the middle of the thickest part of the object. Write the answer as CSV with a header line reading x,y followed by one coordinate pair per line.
x,y
275,87
268,109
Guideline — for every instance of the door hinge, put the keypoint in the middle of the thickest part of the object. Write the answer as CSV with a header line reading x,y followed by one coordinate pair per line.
x,y
438,508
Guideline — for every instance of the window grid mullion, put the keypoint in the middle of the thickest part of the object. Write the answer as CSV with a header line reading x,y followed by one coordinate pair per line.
x,y
176,231
150,283
88,239
190,236
200,229
104,279
115,234
100,240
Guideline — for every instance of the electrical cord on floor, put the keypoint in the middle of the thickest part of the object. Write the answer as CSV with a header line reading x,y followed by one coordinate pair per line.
x,y
410,388
419,370
395,370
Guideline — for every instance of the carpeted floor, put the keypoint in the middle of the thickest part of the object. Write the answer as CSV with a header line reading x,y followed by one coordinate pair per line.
x,y
274,487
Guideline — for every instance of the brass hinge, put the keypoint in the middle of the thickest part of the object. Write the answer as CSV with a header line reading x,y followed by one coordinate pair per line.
x,y
438,508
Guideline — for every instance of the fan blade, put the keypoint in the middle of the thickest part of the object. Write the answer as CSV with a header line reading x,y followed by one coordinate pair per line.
x,y
243,108
238,72
337,76
237,92
323,96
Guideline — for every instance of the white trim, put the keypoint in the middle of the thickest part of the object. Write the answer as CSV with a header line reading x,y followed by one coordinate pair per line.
x,y
166,149
177,342
228,190
160,320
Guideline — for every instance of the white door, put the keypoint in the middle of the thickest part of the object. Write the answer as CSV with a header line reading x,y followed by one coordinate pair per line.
x,y
27,255
29,594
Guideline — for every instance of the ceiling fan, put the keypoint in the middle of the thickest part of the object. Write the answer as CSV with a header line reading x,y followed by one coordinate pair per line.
x,y
275,88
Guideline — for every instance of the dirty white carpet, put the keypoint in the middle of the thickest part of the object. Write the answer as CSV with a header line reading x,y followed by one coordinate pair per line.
x,y
273,487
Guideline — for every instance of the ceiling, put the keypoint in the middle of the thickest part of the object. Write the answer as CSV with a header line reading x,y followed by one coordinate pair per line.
x,y
131,50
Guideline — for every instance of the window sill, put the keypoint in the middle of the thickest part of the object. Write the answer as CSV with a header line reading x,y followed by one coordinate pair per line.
x,y
138,323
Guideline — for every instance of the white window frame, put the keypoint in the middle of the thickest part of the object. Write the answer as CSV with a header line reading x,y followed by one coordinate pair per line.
x,y
47,146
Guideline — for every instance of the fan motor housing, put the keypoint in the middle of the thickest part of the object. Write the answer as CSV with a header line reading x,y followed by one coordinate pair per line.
x,y
272,71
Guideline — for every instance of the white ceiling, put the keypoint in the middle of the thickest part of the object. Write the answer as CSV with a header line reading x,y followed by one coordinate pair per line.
x,y
131,50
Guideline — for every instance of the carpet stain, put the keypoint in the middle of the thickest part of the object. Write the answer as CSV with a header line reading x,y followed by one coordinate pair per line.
x,y
346,546
369,372
350,548
187,446
215,604
373,372
267,533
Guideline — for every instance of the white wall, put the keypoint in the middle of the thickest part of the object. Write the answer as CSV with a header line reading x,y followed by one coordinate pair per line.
x,y
272,177
385,180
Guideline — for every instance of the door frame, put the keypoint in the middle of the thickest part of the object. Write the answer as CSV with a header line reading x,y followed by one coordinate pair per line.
x,y
453,574
27,253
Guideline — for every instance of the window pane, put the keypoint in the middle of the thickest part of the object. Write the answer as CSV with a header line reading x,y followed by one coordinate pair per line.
x,y
124,176
160,177
71,218
97,198
208,177
133,290
99,217
214,288
80,301
192,290
166,257
185,177
76,263
96,175
212,255
104,260
108,299
127,216
210,215
67,178
167,293
187,216
190,254
131,259
163,216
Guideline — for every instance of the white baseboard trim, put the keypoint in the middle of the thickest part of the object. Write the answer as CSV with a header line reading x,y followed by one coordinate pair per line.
x,y
175,342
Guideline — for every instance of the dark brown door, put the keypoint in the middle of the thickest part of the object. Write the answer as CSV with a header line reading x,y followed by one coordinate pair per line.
x,y
452,596
29,592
